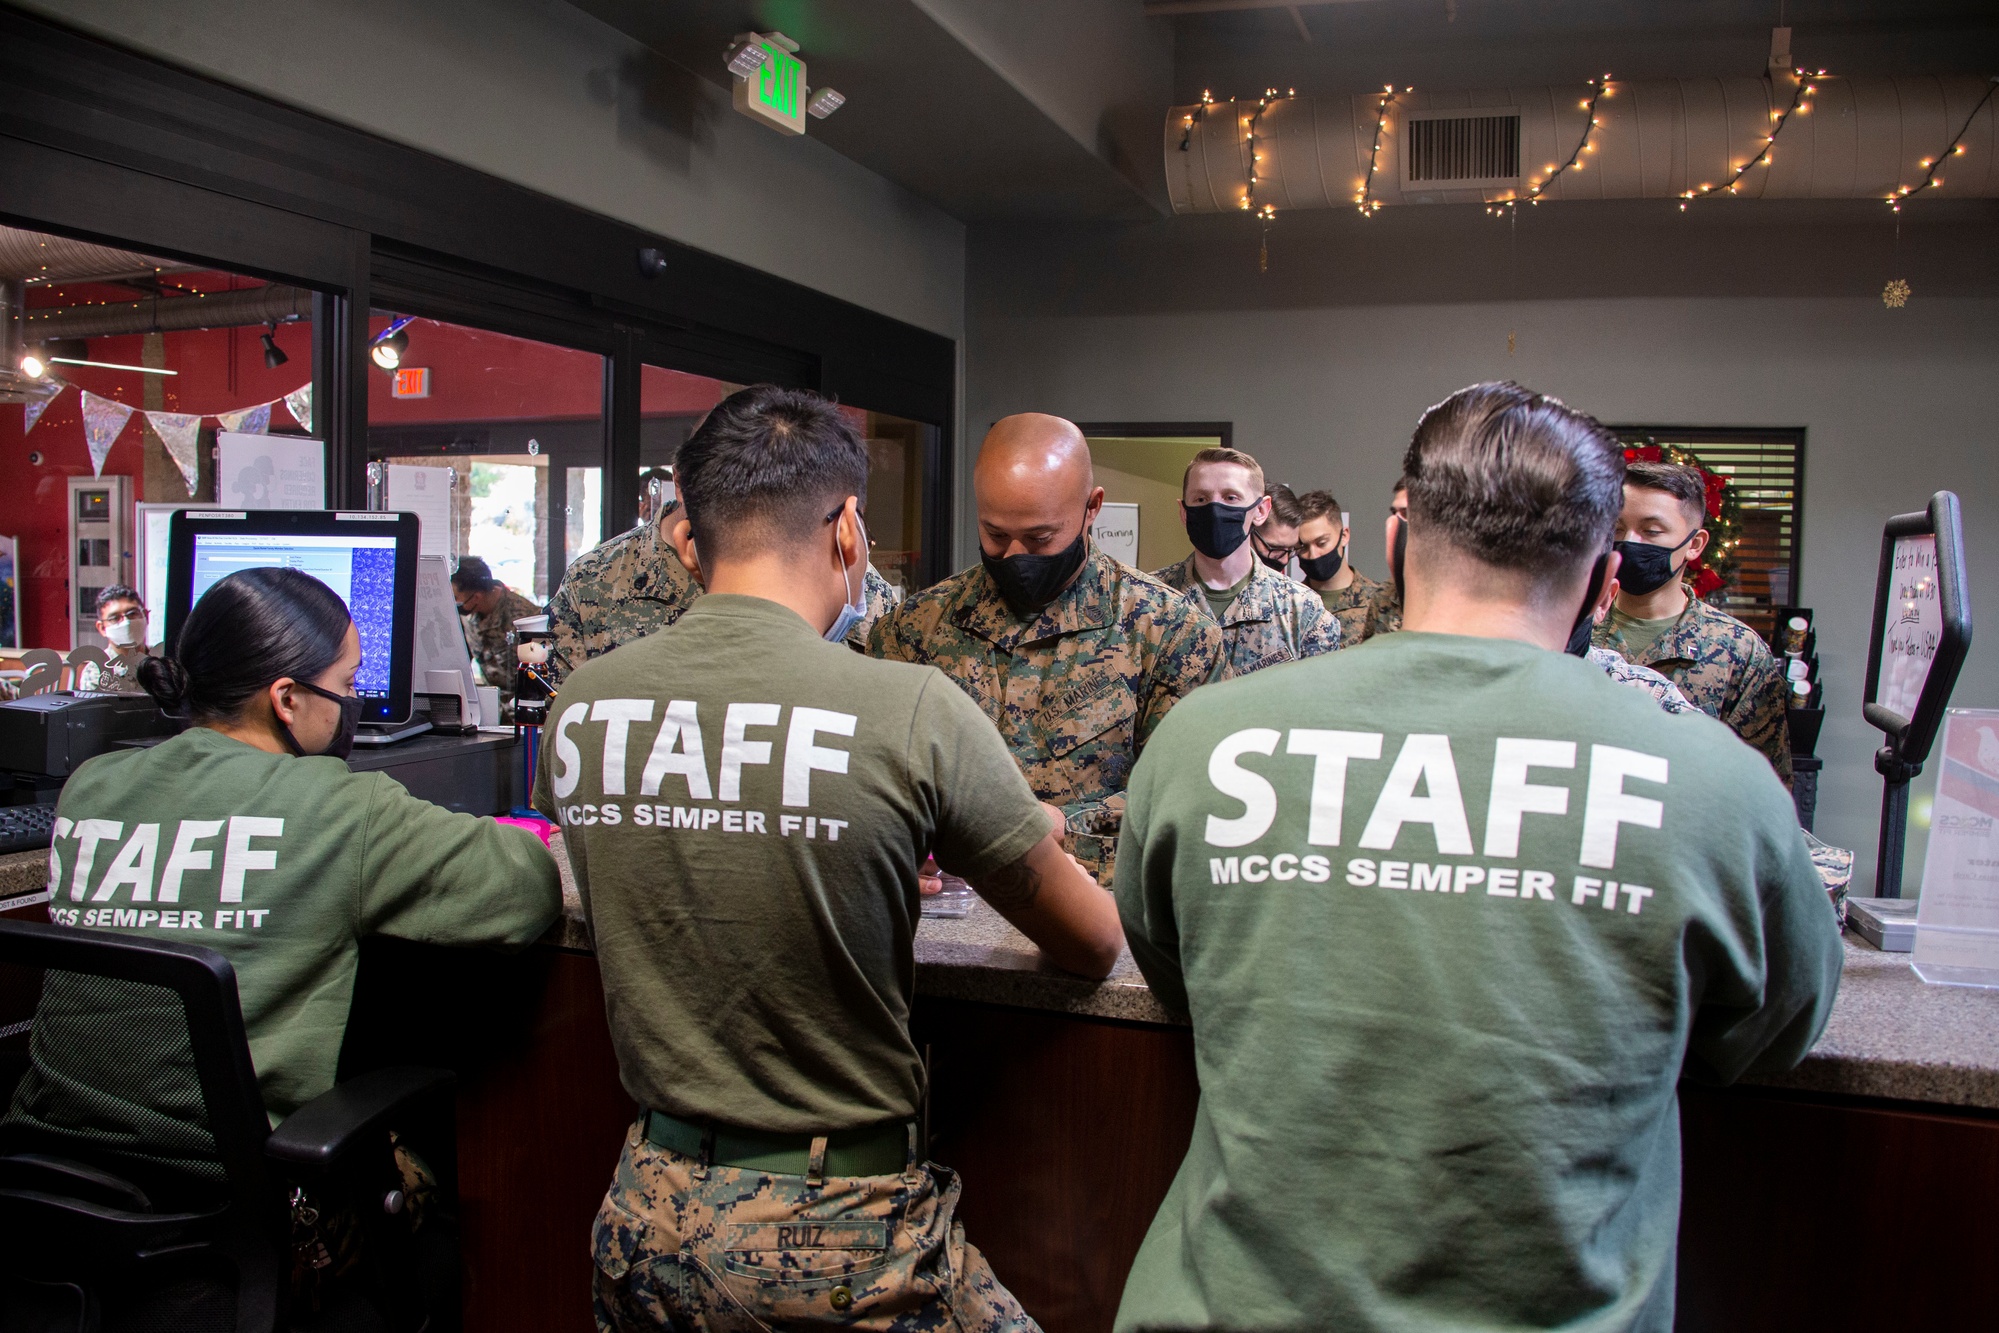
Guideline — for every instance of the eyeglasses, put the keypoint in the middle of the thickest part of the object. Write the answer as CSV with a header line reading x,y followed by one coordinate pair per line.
x,y
1271,548
121,617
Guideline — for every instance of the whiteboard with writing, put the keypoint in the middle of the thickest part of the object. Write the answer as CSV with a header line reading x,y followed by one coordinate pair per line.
x,y
1911,625
1116,531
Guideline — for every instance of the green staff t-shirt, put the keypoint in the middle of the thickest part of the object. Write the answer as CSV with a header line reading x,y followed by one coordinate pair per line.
x,y
282,864
746,807
1450,917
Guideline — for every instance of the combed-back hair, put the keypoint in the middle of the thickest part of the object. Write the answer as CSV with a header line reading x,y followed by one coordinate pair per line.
x,y
474,575
1683,483
1283,506
1515,479
1222,454
1318,504
764,468
252,628
116,592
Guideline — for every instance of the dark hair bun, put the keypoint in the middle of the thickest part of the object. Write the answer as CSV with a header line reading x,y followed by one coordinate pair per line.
x,y
166,680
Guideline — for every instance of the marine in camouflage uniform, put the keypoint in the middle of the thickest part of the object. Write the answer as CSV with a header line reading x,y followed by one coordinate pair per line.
x,y
749,1251
1271,621
1725,670
487,637
1075,692
634,585
1384,613
1640,678
1351,606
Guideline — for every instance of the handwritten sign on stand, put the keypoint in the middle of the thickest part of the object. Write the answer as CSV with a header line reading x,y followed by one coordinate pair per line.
x,y
1922,630
1957,920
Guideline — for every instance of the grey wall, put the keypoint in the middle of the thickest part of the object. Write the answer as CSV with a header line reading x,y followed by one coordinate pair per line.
x,y
539,93
1325,362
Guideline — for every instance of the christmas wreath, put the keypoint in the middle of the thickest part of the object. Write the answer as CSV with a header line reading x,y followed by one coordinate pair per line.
x,y
1715,569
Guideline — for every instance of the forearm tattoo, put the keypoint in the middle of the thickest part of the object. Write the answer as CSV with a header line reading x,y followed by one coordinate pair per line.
x,y
1011,888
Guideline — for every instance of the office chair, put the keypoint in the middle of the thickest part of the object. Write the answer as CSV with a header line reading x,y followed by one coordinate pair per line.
x,y
195,1232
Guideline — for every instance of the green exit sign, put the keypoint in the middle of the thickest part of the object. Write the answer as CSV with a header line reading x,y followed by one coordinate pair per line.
x,y
775,94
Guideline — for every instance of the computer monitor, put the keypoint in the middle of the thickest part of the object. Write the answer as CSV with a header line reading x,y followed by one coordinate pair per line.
x,y
369,559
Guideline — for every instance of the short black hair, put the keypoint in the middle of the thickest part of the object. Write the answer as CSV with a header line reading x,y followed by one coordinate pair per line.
x,y
1515,479
474,575
116,592
765,467
1683,483
252,628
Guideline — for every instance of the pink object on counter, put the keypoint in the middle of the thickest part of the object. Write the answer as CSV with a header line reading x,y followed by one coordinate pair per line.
x,y
541,828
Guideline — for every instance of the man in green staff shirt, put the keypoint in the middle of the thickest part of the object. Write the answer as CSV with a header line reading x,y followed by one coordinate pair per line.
x,y
747,802
1452,912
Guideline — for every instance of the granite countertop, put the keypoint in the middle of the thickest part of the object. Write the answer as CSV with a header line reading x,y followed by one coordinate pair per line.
x,y
1890,1035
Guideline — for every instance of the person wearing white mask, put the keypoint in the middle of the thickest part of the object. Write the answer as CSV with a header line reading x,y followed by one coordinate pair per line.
x,y
121,619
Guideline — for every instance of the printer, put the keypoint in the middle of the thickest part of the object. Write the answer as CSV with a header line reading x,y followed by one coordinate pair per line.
x,y
47,736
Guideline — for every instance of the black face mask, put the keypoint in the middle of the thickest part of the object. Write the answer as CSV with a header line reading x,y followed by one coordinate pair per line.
x,y
1647,568
1579,635
1395,556
1323,568
342,743
1217,529
1280,563
1030,582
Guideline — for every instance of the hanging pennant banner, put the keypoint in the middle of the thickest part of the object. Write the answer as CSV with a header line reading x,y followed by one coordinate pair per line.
x,y
250,421
39,396
180,432
299,403
103,421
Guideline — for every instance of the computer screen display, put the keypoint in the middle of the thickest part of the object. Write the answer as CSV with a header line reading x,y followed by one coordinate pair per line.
x,y
369,559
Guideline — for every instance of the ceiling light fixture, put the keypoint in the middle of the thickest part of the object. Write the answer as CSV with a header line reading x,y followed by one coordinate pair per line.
x,y
746,56
825,102
274,355
32,367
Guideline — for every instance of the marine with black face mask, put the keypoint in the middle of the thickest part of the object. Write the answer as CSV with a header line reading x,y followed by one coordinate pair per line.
x,y
1266,618
247,833
1718,662
1073,655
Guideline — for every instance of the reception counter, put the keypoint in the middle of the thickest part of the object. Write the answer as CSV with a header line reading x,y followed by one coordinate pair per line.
x,y
1853,1192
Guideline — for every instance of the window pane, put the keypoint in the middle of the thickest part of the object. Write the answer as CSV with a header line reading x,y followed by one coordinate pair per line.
x,y
148,335
520,421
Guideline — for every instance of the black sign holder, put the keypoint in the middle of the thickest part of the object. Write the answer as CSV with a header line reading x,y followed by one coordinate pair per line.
x,y
1910,738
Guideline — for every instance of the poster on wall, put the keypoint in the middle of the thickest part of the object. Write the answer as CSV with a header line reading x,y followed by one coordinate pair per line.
x,y
1116,531
10,602
270,471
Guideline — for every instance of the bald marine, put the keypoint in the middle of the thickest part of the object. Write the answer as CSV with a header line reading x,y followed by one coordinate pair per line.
x,y
1074,656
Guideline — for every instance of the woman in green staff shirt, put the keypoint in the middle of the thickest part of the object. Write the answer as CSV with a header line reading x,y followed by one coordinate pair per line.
x,y
249,834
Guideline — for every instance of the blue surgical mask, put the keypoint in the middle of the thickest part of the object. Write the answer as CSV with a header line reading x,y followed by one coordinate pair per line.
x,y
857,599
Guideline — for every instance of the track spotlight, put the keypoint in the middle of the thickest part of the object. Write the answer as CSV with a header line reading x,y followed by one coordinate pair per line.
x,y
388,346
33,367
274,355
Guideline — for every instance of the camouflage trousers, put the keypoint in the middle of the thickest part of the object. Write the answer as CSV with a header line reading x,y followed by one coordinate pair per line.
x,y
683,1246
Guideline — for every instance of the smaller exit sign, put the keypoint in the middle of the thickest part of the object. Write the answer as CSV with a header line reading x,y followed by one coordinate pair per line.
x,y
411,382
775,94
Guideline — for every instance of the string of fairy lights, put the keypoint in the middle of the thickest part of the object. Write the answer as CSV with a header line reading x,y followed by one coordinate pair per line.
x,y
1955,147
1804,88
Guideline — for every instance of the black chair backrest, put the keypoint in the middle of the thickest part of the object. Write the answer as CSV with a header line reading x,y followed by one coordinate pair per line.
x,y
124,1084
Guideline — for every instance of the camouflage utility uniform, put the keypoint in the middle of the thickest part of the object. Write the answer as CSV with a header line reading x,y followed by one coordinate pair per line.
x,y
1077,690
1641,678
634,585
1272,620
745,1251
487,637
1725,670
1351,605
1384,613
624,589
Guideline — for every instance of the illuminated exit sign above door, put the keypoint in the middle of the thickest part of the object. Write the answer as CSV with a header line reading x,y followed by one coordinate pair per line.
x,y
410,382
775,92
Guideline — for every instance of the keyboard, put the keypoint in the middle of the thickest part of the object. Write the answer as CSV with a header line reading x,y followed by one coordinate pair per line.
x,y
24,828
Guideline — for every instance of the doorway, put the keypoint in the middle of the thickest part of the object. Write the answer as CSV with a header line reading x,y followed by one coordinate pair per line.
x,y
1141,466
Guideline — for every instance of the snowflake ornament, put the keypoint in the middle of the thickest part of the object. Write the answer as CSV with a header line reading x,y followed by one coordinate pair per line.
x,y
1896,294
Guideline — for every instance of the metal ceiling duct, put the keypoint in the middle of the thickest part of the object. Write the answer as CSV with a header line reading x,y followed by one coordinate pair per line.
x,y
33,256
167,314
1857,138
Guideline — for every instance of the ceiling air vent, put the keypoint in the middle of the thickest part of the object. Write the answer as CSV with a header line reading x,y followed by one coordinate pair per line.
x,y
1462,148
